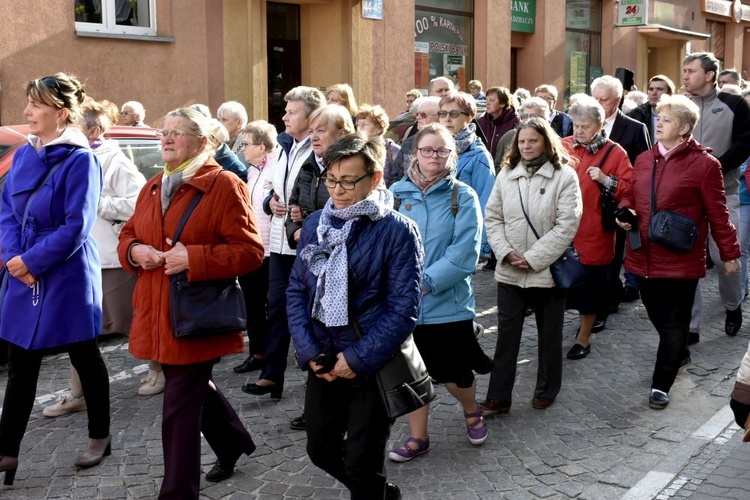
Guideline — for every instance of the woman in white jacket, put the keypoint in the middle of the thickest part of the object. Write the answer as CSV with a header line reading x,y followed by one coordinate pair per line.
x,y
535,182
121,183
261,150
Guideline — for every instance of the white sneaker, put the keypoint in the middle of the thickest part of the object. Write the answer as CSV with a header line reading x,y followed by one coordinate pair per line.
x,y
153,383
64,405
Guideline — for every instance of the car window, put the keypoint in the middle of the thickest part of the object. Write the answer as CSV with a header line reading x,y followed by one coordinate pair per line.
x,y
145,153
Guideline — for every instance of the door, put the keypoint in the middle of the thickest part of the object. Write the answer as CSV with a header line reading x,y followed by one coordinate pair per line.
x,y
284,57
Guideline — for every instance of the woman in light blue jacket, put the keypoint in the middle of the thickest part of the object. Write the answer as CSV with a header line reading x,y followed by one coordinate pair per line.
x,y
449,218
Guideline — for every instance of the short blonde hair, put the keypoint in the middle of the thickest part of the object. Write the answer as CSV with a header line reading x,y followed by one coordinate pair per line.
x,y
376,115
347,95
334,117
262,132
685,110
217,133
476,83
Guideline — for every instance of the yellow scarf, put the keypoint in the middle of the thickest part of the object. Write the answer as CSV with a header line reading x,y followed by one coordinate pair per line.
x,y
182,167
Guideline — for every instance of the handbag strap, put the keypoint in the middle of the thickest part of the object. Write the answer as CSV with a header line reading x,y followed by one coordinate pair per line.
x,y
524,212
36,192
601,162
186,216
653,181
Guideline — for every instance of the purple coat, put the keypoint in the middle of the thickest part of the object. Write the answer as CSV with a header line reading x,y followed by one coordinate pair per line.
x,y
56,246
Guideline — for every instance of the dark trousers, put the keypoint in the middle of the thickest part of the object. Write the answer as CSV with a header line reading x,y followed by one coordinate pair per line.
x,y
550,311
350,408
194,405
255,289
21,389
669,303
614,284
277,343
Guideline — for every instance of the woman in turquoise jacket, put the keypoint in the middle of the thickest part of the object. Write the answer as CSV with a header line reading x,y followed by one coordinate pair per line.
x,y
449,218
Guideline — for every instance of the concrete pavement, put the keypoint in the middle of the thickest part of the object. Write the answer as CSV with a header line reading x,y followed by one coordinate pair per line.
x,y
598,441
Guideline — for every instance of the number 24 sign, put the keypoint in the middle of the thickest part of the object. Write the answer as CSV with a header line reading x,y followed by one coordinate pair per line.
x,y
632,12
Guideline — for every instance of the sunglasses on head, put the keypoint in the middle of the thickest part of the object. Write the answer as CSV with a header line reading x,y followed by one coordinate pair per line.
x,y
52,84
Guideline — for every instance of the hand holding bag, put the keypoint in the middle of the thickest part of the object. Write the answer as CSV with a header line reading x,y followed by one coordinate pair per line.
x,y
668,228
567,271
200,308
403,382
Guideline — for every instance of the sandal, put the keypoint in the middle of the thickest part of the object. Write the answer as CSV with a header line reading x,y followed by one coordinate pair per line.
x,y
476,431
405,452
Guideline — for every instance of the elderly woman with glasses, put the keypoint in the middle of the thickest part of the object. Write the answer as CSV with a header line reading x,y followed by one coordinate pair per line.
x,y
475,166
450,222
51,281
344,274
219,241
426,112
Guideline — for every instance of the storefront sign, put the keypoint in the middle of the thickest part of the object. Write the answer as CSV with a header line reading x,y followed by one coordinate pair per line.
x,y
442,47
372,9
727,8
632,13
523,15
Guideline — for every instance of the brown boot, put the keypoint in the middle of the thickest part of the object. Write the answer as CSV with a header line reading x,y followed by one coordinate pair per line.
x,y
95,452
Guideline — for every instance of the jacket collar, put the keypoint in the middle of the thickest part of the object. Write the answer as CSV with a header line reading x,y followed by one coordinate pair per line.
x,y
546,170
203,179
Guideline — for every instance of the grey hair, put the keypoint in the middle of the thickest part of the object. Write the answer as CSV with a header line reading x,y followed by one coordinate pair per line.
x,y
588,108
202,109
536,102
138,110
608,81
235,110
311,97
197,123
435,100
451,85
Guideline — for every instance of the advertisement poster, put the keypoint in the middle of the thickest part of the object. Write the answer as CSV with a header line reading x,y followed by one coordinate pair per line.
x,y
578,15
442,47
578,81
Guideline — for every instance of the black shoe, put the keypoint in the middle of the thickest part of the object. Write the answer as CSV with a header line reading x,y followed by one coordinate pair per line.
x,y
392,492
733,322
599,325
630,294
578,351
658,400
258,390
298,424
686,362
528,311
249,365
224,470
693,338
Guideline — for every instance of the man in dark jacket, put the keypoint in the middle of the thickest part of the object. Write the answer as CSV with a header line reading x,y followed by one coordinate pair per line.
x,y
724,127
633,137
646,112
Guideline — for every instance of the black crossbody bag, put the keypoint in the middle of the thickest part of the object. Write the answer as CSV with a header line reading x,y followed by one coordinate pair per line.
x,y
668,228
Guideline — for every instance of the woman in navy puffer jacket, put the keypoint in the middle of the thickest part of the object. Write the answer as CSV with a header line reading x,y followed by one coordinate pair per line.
x,y
358,261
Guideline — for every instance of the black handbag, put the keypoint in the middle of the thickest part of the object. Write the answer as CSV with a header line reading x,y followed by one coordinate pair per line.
x,y
201,308
567,271
403,382
668,228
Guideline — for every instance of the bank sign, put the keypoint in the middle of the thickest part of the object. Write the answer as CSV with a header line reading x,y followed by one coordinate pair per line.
x,y
522,15
632,13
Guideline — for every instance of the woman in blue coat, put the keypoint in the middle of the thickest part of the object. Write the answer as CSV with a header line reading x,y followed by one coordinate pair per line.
x,y
52,292
449,217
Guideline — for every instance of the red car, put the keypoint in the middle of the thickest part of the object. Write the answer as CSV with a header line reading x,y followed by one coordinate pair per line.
x,y
139,144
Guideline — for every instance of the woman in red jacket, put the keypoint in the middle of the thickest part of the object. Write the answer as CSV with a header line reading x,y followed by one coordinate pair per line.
x,y
599,163
687,180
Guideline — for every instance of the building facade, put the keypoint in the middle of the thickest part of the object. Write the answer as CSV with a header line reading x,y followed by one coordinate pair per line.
x,y
169,53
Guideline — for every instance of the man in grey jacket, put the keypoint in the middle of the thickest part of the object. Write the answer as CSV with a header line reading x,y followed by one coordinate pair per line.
x,y
724,126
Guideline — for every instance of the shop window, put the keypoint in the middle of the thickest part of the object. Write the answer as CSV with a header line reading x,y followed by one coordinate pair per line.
x,y
443,41
116,17
583,21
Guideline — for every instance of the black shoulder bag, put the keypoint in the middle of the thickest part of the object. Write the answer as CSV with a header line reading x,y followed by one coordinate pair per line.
x,y
668,228
202,308
607,201
403,382
567,271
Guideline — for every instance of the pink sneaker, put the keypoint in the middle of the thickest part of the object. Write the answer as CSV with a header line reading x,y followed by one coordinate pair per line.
x,y
405,452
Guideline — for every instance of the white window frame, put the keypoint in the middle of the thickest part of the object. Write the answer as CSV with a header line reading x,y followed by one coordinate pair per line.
x,y
110,26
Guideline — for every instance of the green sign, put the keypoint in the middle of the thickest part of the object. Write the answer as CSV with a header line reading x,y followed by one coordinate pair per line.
x,y
522,15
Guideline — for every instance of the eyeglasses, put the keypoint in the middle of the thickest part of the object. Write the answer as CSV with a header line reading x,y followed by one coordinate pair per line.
x,y
424,115
429,152
528,116
248,144
51,83
174,133
453,114
344,183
